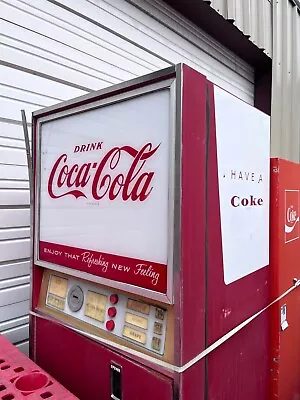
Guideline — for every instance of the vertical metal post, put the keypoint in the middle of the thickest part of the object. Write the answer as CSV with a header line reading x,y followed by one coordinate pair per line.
x,y
28,153
31,188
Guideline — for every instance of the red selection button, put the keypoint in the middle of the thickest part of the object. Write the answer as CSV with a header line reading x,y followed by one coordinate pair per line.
x,y
114,298
112,312
110,325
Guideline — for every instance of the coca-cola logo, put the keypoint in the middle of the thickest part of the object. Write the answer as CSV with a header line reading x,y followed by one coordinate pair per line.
x,y
291,226
291,217
250,201
105,177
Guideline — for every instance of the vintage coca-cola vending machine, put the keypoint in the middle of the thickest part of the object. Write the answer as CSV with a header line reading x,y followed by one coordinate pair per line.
x,y
151,241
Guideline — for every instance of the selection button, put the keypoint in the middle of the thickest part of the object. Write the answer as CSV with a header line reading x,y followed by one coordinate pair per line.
x,y
114,298
110,325
112,312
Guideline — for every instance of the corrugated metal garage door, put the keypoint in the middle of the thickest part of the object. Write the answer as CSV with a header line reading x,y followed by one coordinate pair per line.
x,y
55,50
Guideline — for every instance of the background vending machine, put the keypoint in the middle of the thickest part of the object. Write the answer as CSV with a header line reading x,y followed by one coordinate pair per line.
x,y
151,241
285,252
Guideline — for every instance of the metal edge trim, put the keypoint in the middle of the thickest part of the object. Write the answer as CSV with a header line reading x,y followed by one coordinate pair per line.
x,y
177,211
123,86
114,99
165,76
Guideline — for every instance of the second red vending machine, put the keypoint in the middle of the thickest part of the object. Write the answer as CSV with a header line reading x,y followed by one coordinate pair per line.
x,y
285,254
151,241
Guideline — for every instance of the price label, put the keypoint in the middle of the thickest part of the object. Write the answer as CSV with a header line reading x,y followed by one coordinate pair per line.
x,y
138,306
136,320
96,306
58,286
135,335
55,302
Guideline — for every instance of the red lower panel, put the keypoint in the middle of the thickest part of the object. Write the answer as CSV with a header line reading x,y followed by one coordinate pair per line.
x,y
83,366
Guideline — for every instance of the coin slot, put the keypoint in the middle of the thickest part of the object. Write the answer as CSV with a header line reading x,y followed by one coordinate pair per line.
x,y
75,298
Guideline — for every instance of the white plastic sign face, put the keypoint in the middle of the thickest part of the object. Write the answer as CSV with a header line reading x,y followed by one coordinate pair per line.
x,y
104,190
243,150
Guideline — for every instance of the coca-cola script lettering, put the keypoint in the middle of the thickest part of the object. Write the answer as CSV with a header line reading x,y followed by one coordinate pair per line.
x,y
105,177
291,215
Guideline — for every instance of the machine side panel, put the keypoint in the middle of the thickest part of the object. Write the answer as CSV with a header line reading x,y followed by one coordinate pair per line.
x,y
246,353
193,219
192,382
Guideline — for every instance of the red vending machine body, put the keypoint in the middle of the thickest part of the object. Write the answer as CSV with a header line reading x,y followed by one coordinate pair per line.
x,y
285,252
151,241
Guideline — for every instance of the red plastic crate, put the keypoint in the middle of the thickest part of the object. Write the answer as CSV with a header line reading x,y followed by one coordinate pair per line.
x,y
21,378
